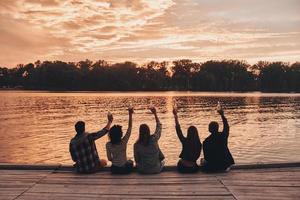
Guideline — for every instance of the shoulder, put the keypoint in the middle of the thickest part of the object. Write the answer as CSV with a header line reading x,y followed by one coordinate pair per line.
x,y
72,140
207,139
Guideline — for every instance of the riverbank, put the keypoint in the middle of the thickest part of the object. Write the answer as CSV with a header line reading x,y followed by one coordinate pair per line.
x,y
57,182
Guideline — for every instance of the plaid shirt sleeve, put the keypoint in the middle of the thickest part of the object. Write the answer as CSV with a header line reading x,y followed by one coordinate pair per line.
x,y
99,134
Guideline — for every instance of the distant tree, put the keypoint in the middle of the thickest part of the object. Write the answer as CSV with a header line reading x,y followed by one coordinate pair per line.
x,y
57,75
183,72
98,76
293,77
4,77
225,75
273,77
154,76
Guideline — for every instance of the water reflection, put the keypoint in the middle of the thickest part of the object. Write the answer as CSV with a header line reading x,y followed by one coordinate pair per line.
x,y
36,127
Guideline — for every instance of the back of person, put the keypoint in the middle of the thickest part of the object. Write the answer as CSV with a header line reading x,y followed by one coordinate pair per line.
x,y
191,147
216,152
84,150
117,146
148,157
188,153
118,153
147,154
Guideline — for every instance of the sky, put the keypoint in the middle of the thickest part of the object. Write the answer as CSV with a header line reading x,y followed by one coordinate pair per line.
x,y
145,30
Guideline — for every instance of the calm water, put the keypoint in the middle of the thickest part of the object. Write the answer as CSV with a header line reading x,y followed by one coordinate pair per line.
x,y
36,127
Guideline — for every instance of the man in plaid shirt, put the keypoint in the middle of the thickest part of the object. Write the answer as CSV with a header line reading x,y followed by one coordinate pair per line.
x,y
83,148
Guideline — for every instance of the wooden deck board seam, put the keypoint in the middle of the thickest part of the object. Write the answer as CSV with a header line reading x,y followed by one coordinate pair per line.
x,y
34,184
226,188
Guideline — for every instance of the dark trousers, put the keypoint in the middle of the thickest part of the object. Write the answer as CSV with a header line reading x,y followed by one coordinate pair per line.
x,y
125,169
186,169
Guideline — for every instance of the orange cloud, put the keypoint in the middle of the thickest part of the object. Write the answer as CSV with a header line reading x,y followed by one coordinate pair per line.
x,y
143,30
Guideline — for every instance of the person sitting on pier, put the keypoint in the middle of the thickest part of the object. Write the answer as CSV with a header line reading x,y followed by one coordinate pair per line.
x,y
147,154
83,148
217,156
191,148
116,148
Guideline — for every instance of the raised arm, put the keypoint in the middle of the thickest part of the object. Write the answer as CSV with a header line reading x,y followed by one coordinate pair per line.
x,y
128,132
105,130
225,123
157,132
177,126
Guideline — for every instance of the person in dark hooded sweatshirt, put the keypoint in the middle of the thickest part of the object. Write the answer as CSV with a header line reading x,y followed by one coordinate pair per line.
x,y
217,156
191,148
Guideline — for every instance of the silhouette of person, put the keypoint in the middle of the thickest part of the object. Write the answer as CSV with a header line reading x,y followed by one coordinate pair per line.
x,y
83,148
217,156
191,148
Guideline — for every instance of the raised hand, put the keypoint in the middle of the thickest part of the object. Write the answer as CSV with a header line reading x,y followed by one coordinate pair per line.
x,y
221,111
130,110
110,117
153,110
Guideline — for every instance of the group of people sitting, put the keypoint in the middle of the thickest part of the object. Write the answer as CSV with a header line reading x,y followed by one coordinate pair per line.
x,y
148,156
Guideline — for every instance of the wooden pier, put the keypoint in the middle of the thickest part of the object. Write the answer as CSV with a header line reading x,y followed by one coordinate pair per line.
x,y
57,182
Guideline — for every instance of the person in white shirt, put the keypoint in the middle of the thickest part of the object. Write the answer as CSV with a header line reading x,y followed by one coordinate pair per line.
x,y
117,146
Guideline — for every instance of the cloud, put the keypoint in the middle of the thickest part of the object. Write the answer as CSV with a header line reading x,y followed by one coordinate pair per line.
x,y
140,30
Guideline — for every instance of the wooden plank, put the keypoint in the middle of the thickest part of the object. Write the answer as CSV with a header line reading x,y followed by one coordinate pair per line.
x,y
122,179
47,196
127,182
25,172
272,176
244,184
132,176
15,185
12,191
131,189
261,183
12,166
7,197
252,192
262,170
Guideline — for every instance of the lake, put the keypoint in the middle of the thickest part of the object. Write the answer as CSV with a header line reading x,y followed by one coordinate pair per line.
x,y
36,127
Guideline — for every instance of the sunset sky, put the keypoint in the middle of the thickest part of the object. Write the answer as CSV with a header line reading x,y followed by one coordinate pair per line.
x,y
143,30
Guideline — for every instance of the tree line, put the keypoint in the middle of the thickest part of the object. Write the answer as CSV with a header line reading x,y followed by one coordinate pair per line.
x,y
225,75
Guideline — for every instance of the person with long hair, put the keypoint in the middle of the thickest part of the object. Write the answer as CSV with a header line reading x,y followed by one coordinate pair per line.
x,y
117,146
191,148
147,154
